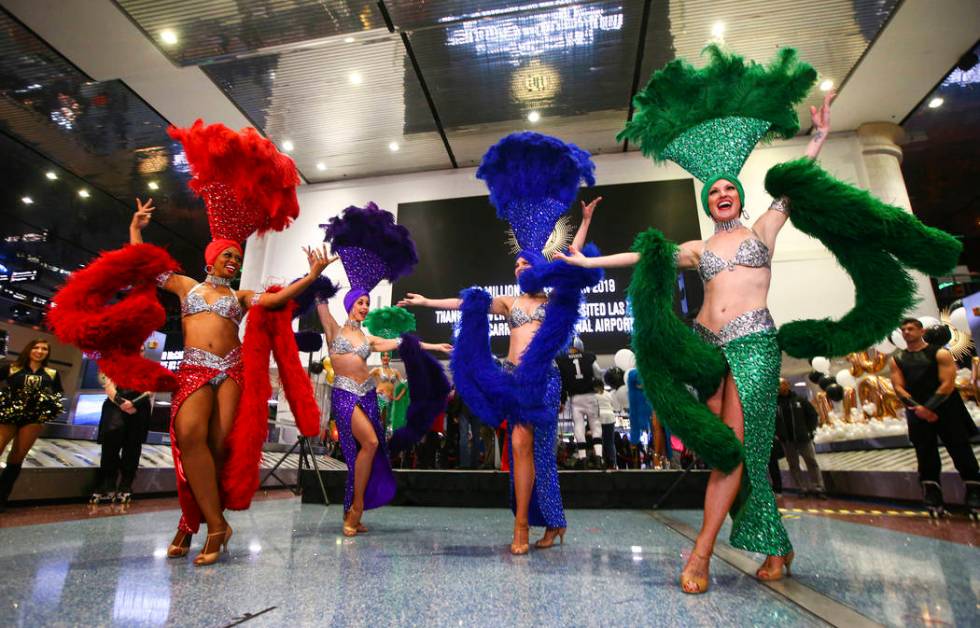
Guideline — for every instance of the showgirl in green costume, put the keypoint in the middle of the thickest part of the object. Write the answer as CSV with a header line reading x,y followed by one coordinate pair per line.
x,y
708,120
390,322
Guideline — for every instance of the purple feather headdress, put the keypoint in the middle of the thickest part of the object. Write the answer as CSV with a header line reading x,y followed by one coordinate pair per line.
x,y
532,179
371,248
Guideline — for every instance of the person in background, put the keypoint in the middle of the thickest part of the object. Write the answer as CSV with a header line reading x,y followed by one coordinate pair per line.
x,y
469,426
924,377
32,398
796,420
123,428
580,375
607,406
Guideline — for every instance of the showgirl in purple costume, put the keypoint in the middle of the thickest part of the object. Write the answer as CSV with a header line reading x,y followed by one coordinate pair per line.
x,y
532,179
372,247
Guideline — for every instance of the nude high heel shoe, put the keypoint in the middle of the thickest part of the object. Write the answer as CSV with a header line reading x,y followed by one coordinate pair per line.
x,y
210,558
548,540
520,545
771,574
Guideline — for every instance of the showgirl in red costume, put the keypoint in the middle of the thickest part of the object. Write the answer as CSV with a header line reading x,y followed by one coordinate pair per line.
x,y
247,186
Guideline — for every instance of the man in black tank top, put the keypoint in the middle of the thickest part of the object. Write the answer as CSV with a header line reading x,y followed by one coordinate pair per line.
x,y
924,379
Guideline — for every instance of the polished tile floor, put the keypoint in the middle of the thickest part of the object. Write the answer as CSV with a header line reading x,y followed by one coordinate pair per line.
x,y
289,565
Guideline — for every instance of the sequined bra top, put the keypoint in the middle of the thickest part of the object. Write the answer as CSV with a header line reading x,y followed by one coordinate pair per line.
x,y
752,252
520,318
387,378
342,346
225,307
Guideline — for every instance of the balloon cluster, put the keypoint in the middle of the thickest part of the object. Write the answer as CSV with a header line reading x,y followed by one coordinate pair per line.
x,y
828,384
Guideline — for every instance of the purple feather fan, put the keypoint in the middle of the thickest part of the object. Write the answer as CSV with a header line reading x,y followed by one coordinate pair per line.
x,y
372,229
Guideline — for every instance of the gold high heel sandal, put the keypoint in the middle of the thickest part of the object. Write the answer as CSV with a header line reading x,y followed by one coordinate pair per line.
x,y
771,575
352,523
178,549
548,540
210,558
695,585
518,548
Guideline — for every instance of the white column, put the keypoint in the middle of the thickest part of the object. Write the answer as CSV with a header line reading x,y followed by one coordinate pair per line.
x,y
882,153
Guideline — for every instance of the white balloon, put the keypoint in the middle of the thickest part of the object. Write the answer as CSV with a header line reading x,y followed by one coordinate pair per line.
x,y
885,347
820,364
929,321
623,397
625,359
957,318
845,379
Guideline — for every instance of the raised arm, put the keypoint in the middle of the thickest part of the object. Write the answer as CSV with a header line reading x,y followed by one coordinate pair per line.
x,y
391,344
688,255
417,300
330,325
820,118
583,228
318,260
172,282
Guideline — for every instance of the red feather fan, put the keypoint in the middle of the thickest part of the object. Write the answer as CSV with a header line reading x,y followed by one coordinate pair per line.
x,y
267,331
262,180
80,314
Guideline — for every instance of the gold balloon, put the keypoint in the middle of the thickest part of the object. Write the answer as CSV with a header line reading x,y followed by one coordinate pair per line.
x,y
328,369
865,363
850,403
823,408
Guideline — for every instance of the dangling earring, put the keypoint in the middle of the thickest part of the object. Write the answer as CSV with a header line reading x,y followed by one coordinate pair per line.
x,y
209,268
745,214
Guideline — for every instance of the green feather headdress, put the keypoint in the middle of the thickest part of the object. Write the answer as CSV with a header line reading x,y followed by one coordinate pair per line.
x,y
709,120
390,322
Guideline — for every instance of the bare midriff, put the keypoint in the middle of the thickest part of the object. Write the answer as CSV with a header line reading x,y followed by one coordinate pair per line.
x,y
350,364
732,293
210,332
520,337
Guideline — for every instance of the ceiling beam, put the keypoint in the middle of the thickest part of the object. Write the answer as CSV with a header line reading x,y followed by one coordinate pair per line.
x,y
101,40
915,50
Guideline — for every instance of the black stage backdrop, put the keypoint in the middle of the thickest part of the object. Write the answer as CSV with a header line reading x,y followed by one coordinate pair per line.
x,y
462,243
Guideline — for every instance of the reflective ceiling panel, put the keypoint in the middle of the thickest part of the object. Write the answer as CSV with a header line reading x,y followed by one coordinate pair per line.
x,y
343,105
569,65
192,32
63,135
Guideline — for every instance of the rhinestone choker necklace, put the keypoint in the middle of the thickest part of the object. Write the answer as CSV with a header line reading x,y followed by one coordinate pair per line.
x,y
728,225
217,281
353,324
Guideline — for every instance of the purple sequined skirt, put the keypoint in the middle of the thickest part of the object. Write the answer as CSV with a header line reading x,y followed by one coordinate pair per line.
x,y
348,394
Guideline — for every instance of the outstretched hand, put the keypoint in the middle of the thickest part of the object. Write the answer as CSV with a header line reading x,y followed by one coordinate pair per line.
x,y
820,118
587,210
412,299
144,212
318,258
573,257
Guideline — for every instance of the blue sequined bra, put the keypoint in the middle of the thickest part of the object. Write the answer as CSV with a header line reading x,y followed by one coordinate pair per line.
x,y
342,346
520,318
752,253
225,307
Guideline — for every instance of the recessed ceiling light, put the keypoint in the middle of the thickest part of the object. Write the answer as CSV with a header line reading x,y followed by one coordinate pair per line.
x,y
153,185
84,193
936,102
26,200
348,40
168,36
287,146
718,30
356,78
826,85
51,175
393,147
321,166
534,116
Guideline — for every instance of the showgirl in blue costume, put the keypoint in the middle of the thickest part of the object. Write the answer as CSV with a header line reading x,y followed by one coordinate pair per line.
x,y
532,180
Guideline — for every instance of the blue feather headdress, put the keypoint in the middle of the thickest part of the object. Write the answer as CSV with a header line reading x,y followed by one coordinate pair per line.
x,y
532,179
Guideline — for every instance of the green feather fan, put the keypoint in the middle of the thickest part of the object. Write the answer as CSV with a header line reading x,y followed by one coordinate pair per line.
x,y
873,242
680,100
669,355
390,322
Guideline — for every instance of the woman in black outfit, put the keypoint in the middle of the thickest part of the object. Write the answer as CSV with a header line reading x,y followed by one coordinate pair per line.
x,y
123,428
32,397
